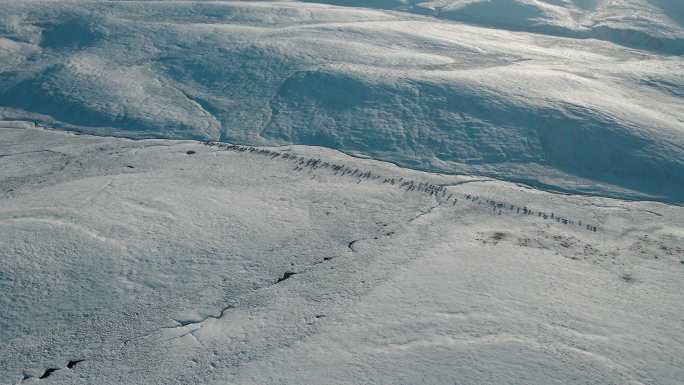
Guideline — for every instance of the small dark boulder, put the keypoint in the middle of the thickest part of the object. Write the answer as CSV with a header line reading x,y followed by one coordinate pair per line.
x,y
48,372
73,363
285,276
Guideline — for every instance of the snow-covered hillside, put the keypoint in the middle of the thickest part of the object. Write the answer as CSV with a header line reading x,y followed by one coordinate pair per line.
x,y
656,25
568,113
176,262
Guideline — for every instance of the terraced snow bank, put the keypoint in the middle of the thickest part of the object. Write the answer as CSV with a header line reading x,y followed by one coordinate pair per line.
x,y
591,102
178,262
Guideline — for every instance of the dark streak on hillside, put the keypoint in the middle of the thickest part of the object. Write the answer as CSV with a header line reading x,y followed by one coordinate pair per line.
x,y
437,191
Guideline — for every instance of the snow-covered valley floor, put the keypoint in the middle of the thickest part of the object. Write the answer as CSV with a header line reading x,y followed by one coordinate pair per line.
x,y
181,262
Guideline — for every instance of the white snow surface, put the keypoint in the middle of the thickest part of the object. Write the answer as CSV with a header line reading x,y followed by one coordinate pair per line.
x,y
656,25
577,96
177,262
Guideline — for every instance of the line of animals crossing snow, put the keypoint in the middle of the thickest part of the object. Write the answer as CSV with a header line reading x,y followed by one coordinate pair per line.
x,y
440,192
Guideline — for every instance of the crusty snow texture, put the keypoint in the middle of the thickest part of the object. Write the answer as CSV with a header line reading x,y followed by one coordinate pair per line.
x,y
178,262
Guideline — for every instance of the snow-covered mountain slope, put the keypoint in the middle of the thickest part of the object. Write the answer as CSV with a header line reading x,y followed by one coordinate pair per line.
x,y
656,25
578,115
176,262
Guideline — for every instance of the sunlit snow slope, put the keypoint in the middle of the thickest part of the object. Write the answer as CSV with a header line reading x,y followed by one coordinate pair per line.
x,y
569,113
656,25
175,262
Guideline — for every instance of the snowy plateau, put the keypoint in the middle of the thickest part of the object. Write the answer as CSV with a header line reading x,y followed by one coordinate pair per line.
x,y
342,192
